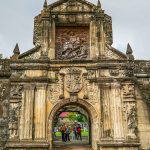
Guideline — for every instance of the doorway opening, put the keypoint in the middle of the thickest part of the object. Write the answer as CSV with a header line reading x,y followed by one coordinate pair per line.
x,y
71,126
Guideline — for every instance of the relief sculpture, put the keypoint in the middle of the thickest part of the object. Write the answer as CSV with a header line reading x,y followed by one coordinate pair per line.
x,y
131,117
72,43
13,120
16,91
73,80
128,91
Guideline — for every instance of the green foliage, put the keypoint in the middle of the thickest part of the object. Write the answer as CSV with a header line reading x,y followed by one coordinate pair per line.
x,y
77,117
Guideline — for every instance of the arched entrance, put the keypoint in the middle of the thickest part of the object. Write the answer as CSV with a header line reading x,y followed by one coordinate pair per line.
x,y
93,117
76,121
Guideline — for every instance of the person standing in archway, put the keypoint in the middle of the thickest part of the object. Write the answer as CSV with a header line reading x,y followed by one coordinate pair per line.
x,y
79,136
55,130
67,133
73,133
63,131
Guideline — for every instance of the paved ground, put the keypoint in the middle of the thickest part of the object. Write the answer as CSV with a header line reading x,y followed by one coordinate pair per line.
x,y
72,143
73,148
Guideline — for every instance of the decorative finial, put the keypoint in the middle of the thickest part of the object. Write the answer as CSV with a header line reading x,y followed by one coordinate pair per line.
x,y
129,52
99,4
16,50
45,4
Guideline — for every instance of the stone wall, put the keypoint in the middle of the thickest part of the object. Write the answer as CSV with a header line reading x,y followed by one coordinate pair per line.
x,y
142,72
4,101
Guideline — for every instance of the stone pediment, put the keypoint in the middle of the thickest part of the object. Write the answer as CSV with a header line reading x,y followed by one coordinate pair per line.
x,y
71,5
113,53
33,53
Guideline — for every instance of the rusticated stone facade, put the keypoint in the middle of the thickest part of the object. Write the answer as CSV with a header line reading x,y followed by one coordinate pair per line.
x,y
73,62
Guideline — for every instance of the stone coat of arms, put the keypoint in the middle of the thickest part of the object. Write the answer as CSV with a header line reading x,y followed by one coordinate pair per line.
x,y
73,80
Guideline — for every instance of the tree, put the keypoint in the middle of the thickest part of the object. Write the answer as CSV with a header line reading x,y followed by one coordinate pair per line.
x,y
77,117
1,56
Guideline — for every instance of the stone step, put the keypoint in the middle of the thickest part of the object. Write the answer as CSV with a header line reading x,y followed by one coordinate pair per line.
x,y
73,148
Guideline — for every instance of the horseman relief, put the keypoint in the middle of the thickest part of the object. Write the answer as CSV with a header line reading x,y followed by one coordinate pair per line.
x,y
72,43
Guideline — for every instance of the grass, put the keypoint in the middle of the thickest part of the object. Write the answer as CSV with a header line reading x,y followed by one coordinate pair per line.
x,y
82,133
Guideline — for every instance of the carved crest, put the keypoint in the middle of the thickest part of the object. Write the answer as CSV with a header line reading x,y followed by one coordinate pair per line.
x,y
73,80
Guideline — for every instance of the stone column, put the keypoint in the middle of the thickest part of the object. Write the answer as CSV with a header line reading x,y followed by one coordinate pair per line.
x,y
116,111
52,30
106,120
26,121
93,41
40,112
129,110
102,42
45,36
107,127
100,39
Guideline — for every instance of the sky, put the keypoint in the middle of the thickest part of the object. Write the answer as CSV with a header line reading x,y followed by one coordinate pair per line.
x,y
131,24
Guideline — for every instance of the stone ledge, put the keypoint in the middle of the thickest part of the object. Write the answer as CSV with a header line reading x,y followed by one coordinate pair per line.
x,y
26,144
118,144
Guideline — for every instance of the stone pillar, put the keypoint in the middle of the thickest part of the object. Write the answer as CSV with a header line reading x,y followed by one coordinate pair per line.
x,y
106,111
116,111
26,121
40,112
100,39
102,42
45,36
93,41
129,110
52,30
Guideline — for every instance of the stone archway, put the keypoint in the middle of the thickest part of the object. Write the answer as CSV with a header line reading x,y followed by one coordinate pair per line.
x,y
93,115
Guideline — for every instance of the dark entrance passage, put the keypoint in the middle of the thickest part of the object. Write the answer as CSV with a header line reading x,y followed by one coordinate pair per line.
x,y
71,127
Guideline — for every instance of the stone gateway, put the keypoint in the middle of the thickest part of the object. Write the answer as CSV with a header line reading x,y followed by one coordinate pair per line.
x,y
73,63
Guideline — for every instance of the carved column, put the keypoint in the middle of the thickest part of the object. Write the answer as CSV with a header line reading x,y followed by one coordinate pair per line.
x,y
93,41
52,27
40,111
26,122
45,35
116,111
106,111
129,110
100,39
